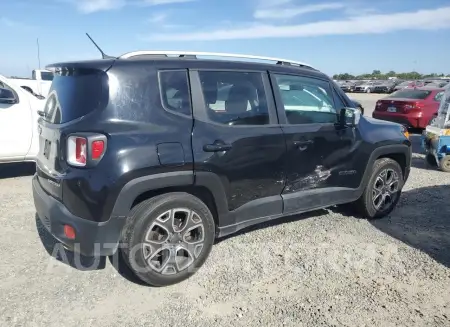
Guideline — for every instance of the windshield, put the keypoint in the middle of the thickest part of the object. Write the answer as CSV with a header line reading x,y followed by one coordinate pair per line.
x,y
411,94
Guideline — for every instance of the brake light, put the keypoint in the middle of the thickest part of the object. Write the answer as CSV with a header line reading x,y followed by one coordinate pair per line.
x,y
413,105
76,150
84,150
97,148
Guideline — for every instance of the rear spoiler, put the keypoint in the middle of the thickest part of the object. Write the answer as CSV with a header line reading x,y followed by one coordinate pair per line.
x,y
98,64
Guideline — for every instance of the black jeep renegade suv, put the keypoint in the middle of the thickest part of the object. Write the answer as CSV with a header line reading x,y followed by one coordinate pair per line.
x,y
153,157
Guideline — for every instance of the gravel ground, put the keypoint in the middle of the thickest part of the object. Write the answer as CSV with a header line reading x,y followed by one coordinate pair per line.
x,y
319,269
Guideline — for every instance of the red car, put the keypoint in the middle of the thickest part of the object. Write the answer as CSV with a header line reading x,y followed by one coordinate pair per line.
x,y
411,107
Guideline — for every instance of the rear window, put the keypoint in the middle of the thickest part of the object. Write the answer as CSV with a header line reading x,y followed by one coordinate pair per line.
x,y
47,76
411,94
76,94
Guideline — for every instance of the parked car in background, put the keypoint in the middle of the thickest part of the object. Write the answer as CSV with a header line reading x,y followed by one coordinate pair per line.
x,y
348,87
411,107
19,139
367,87
436,84
384,87
39,84
402,85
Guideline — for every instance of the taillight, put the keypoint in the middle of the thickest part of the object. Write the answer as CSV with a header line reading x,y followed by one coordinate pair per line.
x,y
85,150
413,105
76,150
97,148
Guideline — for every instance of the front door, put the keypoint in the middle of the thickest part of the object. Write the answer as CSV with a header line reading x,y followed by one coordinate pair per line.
x,y
15,126
320,158
236,138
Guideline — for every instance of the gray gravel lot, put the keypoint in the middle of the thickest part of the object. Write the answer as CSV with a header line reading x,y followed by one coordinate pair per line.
x,y
319,269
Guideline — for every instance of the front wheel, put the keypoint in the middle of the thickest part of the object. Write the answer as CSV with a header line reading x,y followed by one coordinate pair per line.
x,y
383,190
167,238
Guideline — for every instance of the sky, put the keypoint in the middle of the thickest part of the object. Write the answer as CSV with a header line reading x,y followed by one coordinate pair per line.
x,y
348,36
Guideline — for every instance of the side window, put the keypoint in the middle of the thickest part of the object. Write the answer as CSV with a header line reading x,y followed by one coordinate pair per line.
x,y
174,90
235,98
306,100
438,96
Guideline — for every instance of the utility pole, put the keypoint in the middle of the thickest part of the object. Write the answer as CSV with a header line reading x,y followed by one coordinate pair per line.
x,y
38,54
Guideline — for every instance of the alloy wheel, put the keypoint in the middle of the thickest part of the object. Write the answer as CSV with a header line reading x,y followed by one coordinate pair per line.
x,y
173,241
385,189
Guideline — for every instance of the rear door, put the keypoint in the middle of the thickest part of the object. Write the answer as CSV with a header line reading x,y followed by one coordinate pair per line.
x,y
236,136
320,158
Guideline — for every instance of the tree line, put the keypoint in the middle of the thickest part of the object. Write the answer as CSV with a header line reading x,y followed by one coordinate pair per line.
x,y
376,74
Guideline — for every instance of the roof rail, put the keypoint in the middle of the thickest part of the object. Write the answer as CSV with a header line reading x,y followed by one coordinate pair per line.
x,y
194,54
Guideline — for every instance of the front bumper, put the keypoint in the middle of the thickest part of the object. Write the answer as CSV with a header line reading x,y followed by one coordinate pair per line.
x,y
92,238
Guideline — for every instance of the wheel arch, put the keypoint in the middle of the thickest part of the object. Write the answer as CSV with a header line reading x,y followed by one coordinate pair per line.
x,y
401,153
205,186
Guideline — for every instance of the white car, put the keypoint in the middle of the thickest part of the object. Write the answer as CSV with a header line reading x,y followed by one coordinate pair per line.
x,y
19,138
39,84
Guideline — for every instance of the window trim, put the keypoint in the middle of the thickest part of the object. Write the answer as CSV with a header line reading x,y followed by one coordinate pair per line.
x,y
160,91
279,101
199,103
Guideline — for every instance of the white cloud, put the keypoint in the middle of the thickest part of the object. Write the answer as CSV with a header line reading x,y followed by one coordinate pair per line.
x,y
432,19
10,23
293,11
157,18
91,6
164,2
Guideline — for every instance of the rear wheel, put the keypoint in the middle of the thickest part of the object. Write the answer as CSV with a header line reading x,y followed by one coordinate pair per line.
x,y
167,238
444,164
382,191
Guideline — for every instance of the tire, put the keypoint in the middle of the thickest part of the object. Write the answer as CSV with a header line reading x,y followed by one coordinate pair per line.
x,y
149,219
431,160
444,164
365,205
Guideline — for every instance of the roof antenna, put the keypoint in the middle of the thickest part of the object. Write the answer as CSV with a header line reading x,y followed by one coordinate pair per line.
x,y
104,56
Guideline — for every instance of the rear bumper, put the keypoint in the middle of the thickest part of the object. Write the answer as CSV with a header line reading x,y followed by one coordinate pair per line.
x,y
92,238
404,119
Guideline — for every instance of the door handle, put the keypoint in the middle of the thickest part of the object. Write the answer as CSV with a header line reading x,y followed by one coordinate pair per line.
x,y
302,145
216,147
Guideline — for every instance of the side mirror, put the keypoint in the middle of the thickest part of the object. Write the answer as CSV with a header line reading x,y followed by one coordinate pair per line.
x,y
7,96
349,117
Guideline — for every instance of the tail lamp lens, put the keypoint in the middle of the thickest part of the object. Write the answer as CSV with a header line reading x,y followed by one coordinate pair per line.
x,y
80,149
97,148
77,150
